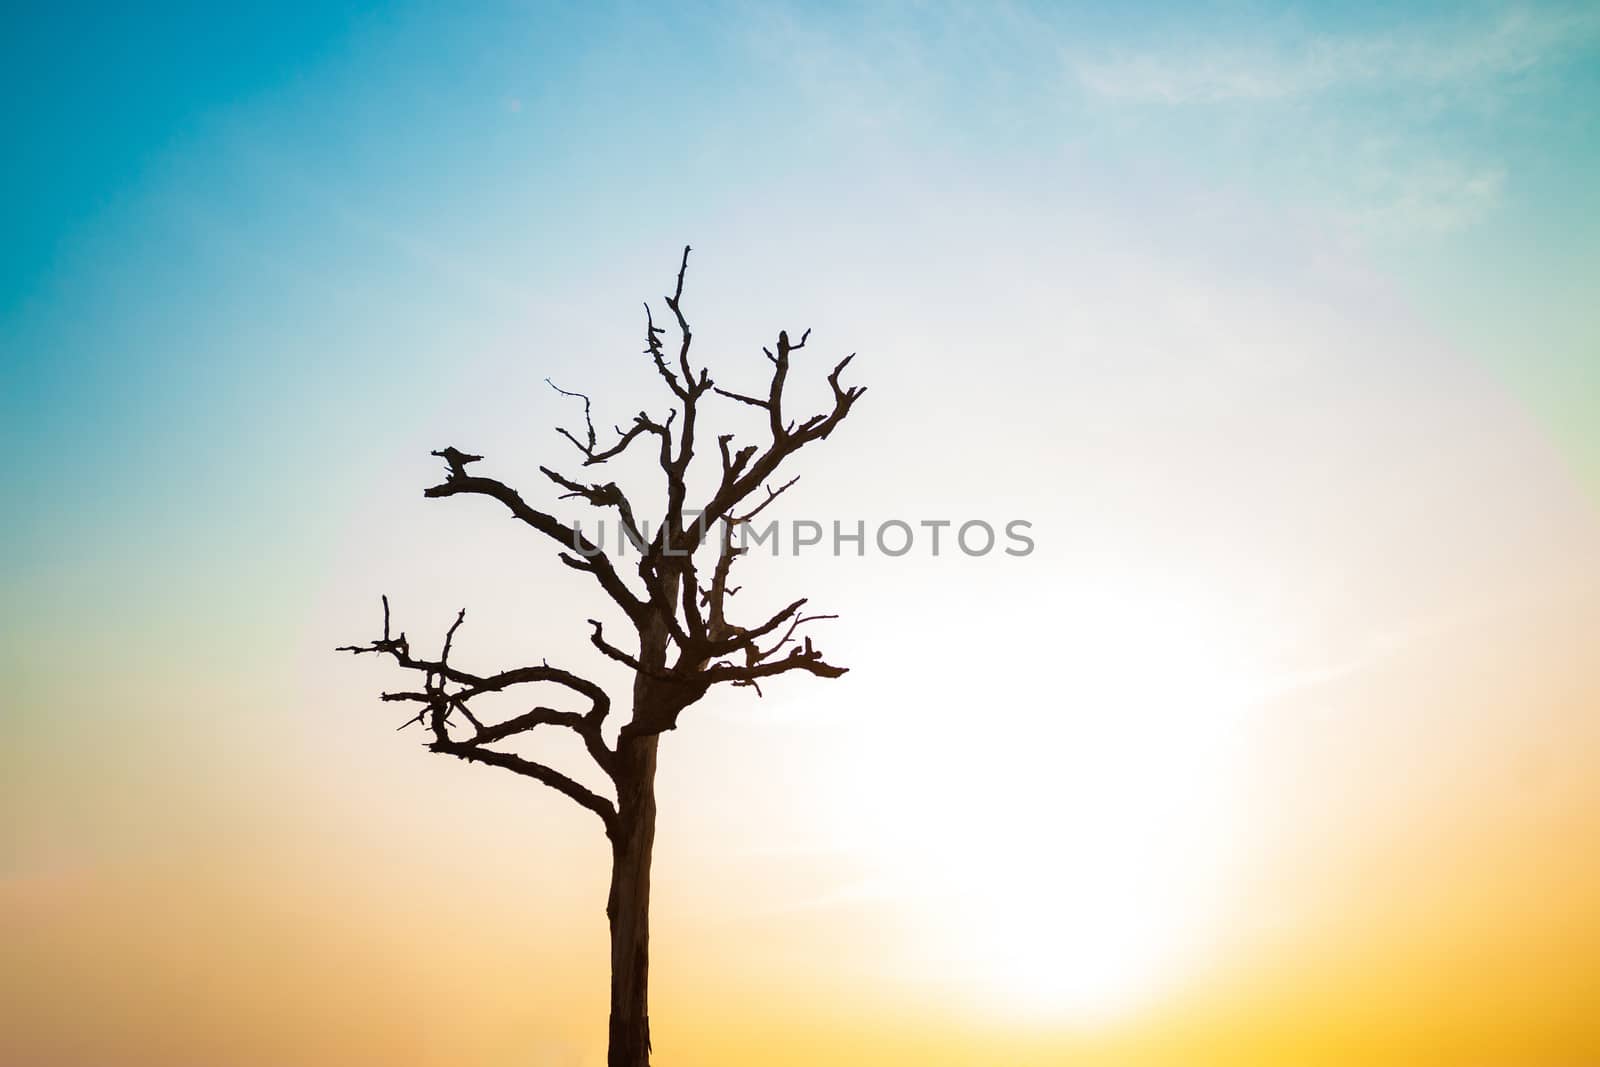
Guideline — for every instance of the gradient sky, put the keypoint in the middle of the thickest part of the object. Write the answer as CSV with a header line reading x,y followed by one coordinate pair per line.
x,y
1275,321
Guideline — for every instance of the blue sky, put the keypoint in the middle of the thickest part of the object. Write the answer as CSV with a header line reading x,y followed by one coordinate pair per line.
x,y
239,246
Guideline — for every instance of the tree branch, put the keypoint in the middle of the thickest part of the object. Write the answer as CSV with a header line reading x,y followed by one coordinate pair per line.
x,y
530,769
602,496
594,559
438,701
805,658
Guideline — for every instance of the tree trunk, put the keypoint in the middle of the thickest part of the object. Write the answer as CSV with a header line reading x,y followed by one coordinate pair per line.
x,y
628,907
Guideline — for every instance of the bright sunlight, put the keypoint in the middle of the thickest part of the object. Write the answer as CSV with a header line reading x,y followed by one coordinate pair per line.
x,y
1074,869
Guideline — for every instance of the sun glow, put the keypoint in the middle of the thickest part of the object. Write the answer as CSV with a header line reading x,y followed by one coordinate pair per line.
x,y
1073,866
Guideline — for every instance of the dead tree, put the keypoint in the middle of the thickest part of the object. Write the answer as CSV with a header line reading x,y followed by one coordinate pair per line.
x,y
686,640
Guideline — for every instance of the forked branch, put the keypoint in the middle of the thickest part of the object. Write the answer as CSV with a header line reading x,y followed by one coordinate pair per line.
x,y
447,691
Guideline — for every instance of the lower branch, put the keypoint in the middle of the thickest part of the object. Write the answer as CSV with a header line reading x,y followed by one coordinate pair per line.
x,y
537,771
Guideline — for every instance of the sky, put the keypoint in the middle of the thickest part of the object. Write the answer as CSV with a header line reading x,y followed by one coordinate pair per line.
x,y
1273,321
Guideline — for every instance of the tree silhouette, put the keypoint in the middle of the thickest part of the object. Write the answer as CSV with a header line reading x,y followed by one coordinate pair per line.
x,y
687,643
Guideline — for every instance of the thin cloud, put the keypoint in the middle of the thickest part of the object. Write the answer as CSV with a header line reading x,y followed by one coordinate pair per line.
x,y
1378,128
1383,645
1440,196
1471,56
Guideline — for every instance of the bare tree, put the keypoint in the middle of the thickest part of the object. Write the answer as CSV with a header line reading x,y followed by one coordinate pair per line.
x,y
687,643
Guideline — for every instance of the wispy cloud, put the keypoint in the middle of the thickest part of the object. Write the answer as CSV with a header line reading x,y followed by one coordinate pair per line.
x,y
1397,133
1429,196
1464,56
1517,607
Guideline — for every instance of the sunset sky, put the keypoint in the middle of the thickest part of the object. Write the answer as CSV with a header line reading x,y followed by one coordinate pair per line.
x,y
1276,323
